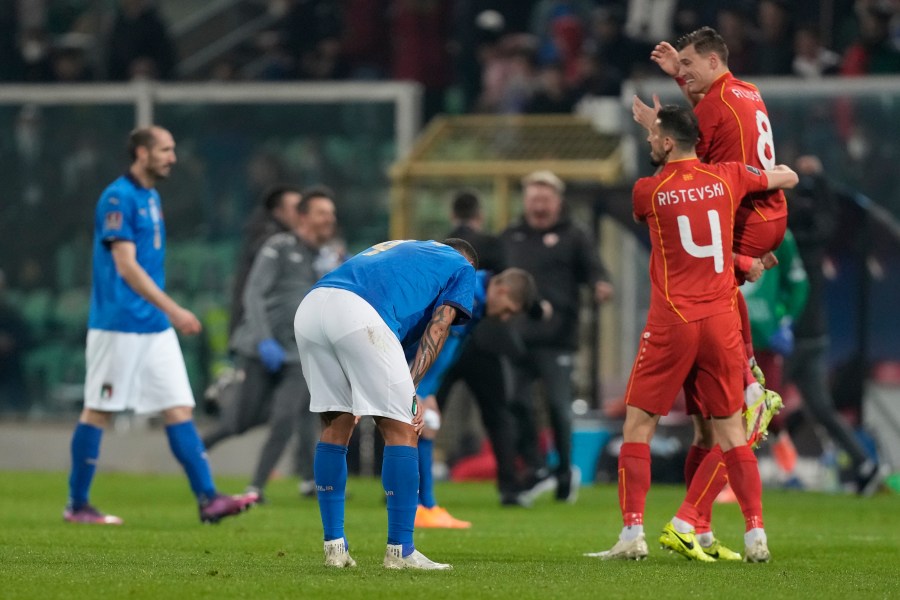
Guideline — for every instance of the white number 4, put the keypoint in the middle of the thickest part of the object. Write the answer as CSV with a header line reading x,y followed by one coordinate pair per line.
x,y
713,250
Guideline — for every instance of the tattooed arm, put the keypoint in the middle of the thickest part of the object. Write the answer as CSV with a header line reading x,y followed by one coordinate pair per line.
x,y
432,341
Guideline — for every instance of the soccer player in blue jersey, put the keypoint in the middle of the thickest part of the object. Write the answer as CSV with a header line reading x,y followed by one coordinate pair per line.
x,y
351,330
500,297
133,357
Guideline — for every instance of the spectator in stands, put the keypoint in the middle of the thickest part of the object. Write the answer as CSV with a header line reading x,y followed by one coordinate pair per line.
x,y
872,52
508,76
551,93
420,33
775,48
312,32
468,224
365,45
14,340
139,43
618,53
811,58
731,23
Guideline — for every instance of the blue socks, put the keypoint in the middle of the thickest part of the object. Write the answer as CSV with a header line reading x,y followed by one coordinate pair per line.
x,y
330,471
85,451
426,477
400,478
190,452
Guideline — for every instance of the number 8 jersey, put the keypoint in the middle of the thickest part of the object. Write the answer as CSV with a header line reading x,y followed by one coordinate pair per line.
x,y
734,126
690,208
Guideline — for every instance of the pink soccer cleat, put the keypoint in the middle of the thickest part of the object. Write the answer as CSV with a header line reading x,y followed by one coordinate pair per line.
x,y
89,514
222,506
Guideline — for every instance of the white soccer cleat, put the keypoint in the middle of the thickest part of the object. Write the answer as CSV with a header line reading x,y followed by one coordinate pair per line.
x,y
757,552
635,549
337,555
394,559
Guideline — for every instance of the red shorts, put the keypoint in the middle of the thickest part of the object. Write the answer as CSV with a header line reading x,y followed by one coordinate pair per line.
x,y
706,357
753,236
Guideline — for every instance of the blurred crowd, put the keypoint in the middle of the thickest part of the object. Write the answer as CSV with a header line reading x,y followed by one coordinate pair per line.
x,y
470,55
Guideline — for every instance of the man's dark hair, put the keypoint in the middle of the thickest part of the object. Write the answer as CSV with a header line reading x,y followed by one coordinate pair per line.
x,y
466,205
464,248
522,288
311,193
704,40
680,124
271,198
140,137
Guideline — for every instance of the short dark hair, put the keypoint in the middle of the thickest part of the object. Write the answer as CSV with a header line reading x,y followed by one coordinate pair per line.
x,y
140,137
312,192
466,205
521,284
704,40
272,197
464,248
680,124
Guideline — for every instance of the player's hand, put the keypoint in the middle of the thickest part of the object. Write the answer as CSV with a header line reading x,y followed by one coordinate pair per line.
x,y
643,114
431,417
666,56
756,271
185,321
769,260
546,310
418,420
603,291
271,354
809,165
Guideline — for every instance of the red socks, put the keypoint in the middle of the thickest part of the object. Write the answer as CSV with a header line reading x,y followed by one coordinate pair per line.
x,y
634,482
695,456
708,480
743,474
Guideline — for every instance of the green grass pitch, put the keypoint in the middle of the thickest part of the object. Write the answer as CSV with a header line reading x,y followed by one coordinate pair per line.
x,y
823,547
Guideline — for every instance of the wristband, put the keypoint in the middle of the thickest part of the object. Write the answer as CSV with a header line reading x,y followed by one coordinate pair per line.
x,y
680,81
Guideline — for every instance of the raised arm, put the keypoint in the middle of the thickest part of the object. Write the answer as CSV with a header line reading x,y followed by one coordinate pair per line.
x,y
665,55
432,341
124,255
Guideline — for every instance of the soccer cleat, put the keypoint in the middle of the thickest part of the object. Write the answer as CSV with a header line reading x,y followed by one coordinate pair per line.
x,y
89,514
567,487
222,506
635,549
685,544
541,485
719,551
514,499
757,552
870,476
260,498
759,414
437,517
337,554
394,559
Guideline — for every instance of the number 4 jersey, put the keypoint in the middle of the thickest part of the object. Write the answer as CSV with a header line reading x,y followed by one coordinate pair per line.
x,y
690,209
734,126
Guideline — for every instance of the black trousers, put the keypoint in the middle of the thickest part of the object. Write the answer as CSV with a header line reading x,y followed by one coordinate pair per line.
x,y
482,372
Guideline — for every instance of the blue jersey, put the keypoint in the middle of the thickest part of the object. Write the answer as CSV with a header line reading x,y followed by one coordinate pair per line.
x,y
405,281
129,212
432,379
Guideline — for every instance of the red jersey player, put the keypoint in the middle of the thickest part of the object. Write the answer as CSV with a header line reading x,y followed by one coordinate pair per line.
x,y
692,337
734,126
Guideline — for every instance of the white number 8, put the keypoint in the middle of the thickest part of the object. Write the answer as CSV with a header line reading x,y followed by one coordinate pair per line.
x,y
765,141
713,250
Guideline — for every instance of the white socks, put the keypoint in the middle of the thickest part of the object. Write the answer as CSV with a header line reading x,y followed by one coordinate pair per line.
x,y
631,532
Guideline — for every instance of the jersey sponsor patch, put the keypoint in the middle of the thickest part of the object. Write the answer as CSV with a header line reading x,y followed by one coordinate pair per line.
x,y
106,391
753,170
113,220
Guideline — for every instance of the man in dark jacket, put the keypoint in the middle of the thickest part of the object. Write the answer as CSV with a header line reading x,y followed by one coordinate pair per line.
x,y
561,256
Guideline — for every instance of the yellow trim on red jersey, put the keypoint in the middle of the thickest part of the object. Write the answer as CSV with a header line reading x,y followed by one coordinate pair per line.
x,y
662,246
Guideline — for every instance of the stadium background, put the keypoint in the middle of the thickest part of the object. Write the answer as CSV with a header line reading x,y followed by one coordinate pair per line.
x,y
259,91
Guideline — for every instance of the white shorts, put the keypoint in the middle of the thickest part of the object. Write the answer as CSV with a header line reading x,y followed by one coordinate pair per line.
x,y
352,361
141,371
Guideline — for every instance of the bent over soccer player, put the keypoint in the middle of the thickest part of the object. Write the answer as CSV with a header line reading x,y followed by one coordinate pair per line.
x,y
133,357
692,338
351,330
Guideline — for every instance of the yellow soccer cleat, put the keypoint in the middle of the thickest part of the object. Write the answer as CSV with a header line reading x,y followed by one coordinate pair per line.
x,y
437,517
759,414
685,544
719,551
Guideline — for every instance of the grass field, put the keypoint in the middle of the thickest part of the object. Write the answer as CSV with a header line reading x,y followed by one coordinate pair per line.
x,y
823,547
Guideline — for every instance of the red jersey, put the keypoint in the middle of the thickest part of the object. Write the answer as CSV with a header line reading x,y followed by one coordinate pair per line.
x,y
734,126
690,209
